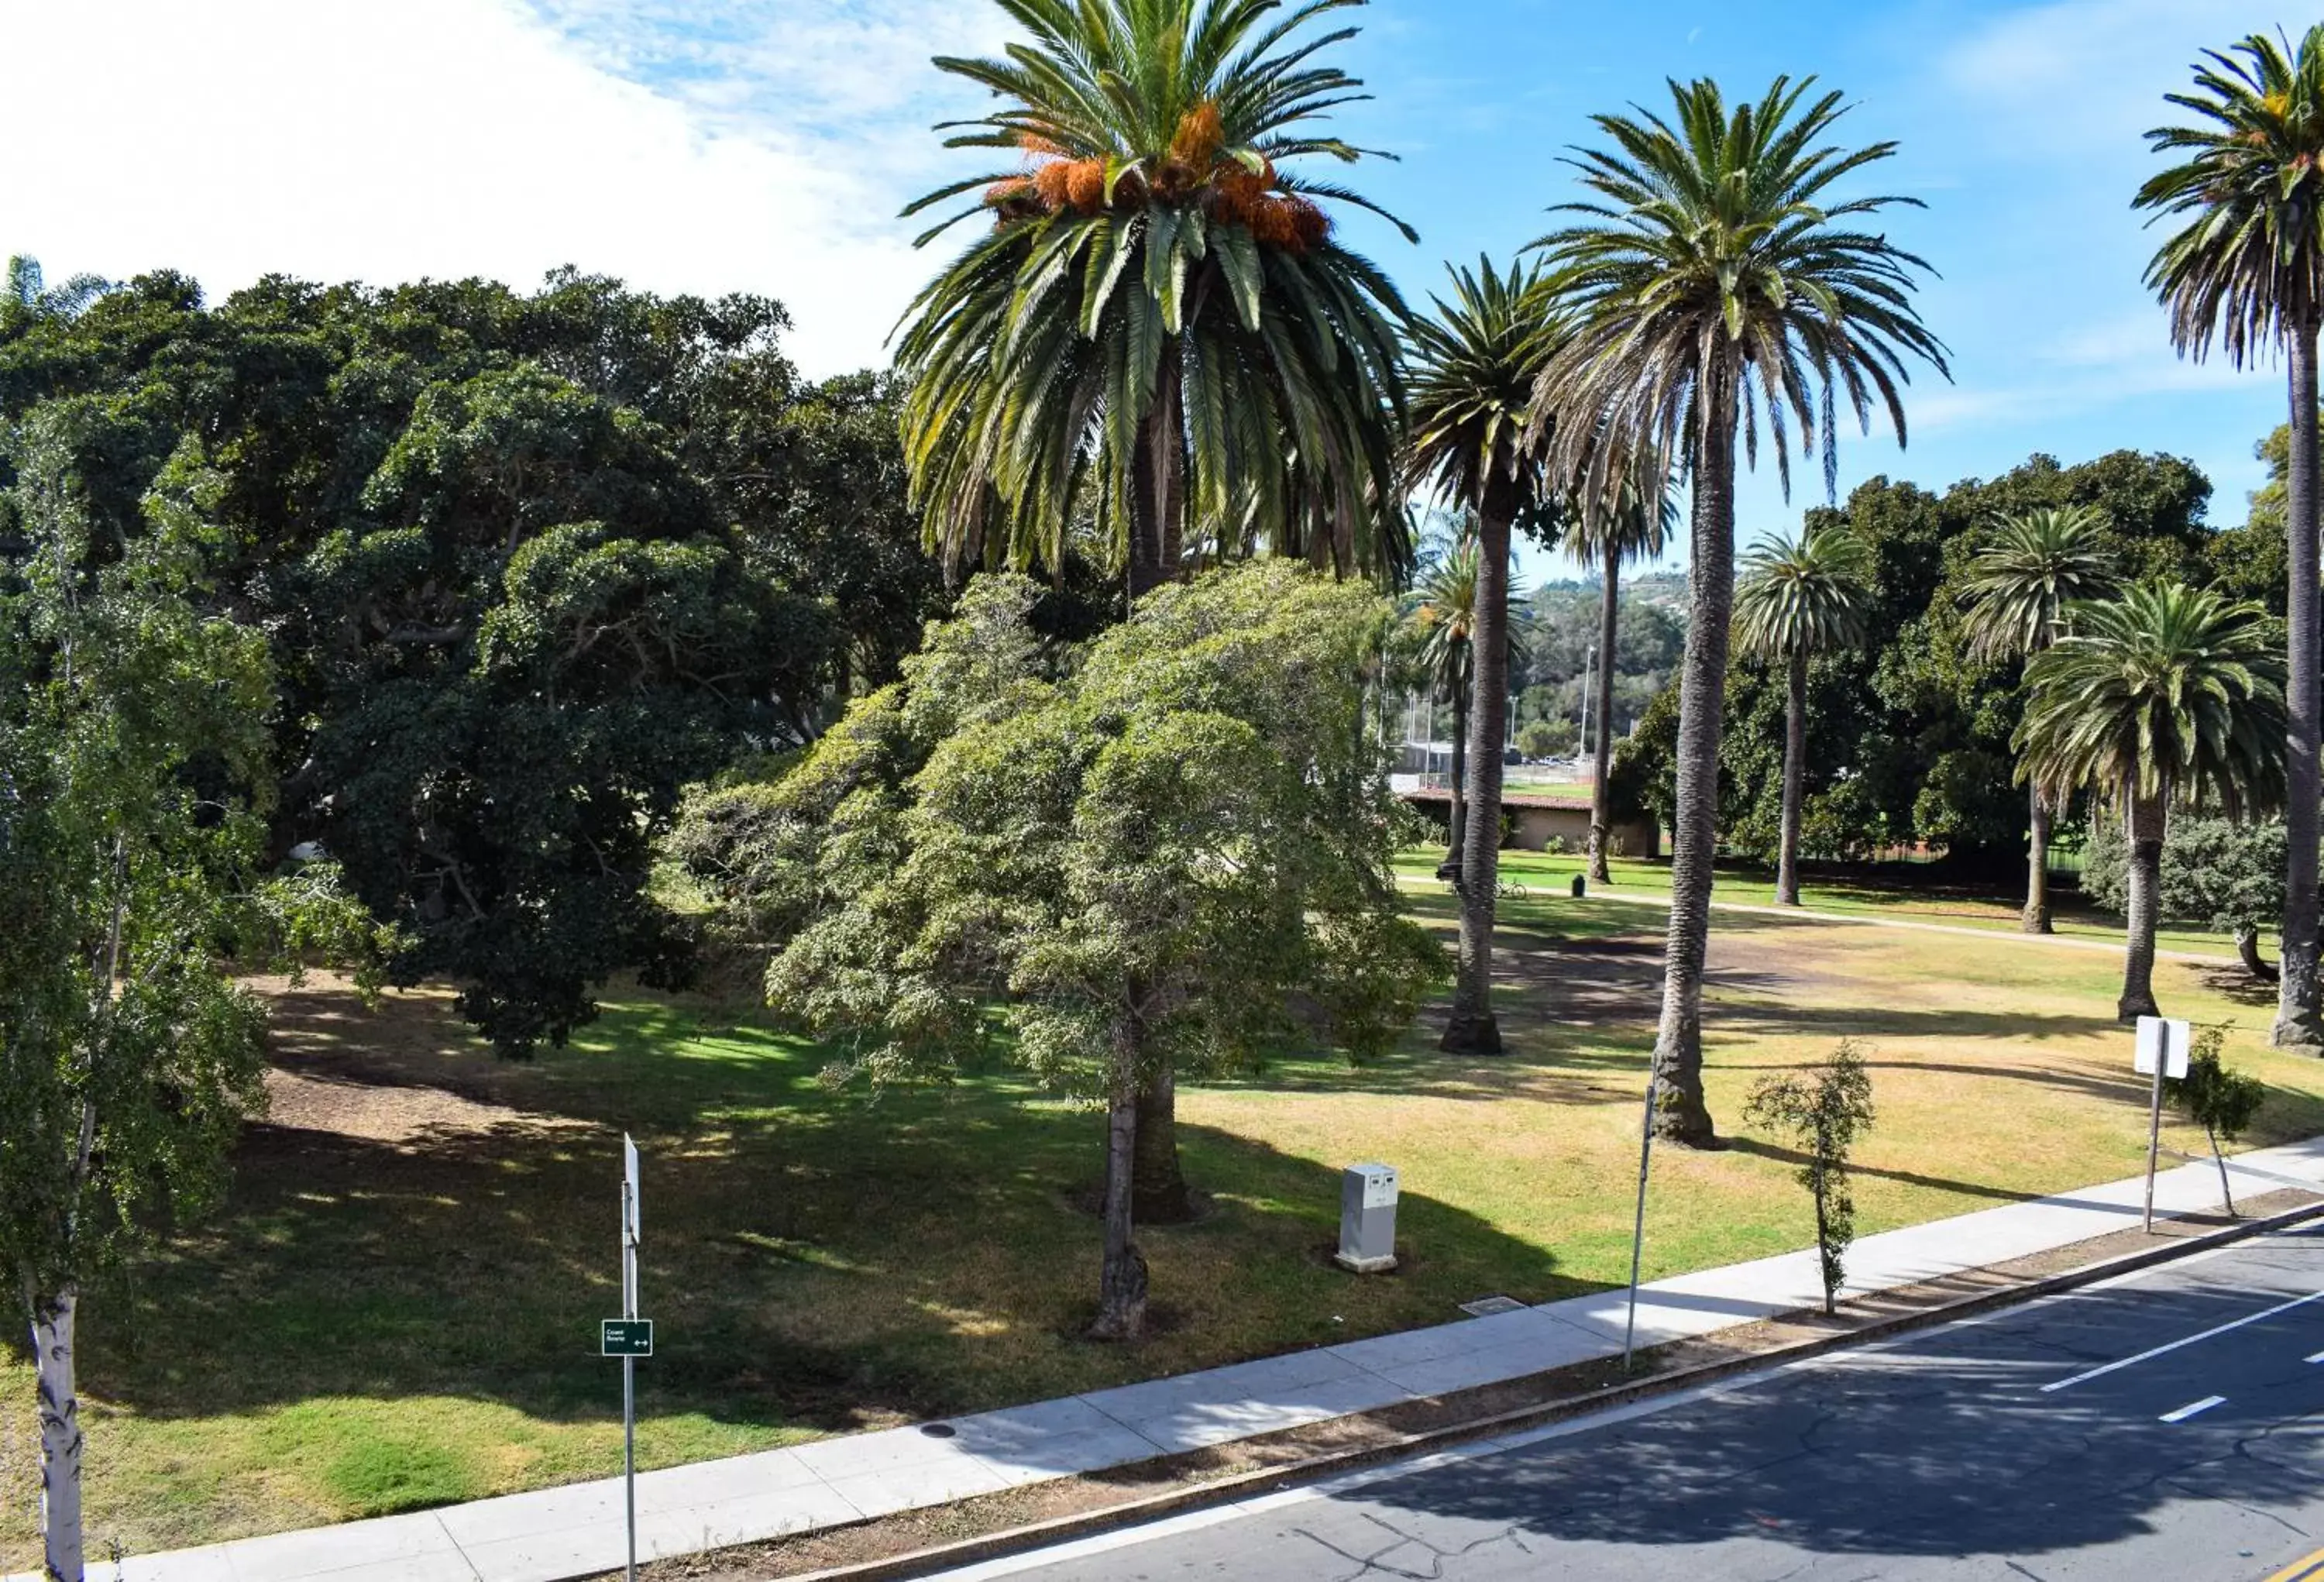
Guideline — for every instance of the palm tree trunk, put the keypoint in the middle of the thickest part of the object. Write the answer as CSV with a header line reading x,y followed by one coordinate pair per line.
x,y
1121,1280
1471,1029
1795,753
1157,1183
2036,919
59,1428
2297,1019
1456,826
1682,1115
1602,768
2146,831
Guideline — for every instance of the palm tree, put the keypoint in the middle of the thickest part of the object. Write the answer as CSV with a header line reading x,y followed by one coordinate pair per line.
x,y
1446,616
1719,290
1157,333
2035,564
1475,363
2246,268
2169,693
1633,523
1800,597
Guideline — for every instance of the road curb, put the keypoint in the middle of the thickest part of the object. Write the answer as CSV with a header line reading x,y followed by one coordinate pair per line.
x,y
1226,1490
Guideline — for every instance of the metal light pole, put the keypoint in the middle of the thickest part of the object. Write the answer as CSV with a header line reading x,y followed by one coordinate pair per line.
x,y
629,1218
1588,685
1638,1225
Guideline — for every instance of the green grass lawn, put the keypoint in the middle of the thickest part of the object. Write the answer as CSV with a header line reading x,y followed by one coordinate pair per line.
x,y
1862,893
399,1305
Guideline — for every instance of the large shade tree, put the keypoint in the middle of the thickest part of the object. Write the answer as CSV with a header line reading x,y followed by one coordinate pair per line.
x,y
2167,694
2244,269
1475,363
1158,334
1722,290
2033,564
1800,597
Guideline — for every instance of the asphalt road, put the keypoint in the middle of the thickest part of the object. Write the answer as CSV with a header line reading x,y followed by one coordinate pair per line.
x,y
2039,1442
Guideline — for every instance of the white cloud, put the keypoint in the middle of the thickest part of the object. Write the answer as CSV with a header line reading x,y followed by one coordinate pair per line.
x,y
686,150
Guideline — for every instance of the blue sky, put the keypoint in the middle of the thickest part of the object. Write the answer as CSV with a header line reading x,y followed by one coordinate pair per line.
x,y
766,145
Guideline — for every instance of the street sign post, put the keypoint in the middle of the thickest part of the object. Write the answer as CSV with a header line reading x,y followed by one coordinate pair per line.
x,y
2161,1052
630,1337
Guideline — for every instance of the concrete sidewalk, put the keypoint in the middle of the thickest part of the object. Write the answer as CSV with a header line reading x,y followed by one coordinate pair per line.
x,y
577,1529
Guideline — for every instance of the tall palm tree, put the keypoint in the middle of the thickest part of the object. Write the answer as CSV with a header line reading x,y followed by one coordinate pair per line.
x,y
1721,290
2035,564
1475,362
1157,331
1800,597
2166,694
1633,523
2245,268
1446,616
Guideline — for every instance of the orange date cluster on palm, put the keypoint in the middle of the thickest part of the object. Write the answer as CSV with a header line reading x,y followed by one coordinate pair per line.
x,y
1194,170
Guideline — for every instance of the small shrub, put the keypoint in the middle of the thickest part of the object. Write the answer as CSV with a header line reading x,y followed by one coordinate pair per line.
x,y
2222,1101
1822,1111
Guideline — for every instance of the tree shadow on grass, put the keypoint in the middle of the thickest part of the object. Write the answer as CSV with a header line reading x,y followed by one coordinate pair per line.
x,y
1790,1156
813,1259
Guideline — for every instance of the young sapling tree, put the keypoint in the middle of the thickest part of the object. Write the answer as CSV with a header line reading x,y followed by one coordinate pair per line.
x,y
1822,1111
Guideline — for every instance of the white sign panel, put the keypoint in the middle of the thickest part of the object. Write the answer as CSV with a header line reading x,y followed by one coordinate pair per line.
x,y
2160,1038
629,1219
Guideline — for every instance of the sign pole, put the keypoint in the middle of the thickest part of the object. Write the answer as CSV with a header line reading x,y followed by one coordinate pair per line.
x,y
630,1218
2155,1119
1638,1225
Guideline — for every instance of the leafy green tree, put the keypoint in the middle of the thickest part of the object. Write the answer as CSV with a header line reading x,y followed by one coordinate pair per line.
x,y
2220,873
1475,362
1169,851
1798,598
134,775
1822,1111
1445,619
1718,287
2221,1100
1158,333
528,563
2166,694
2036,563
1633,523
1546,738
2245,268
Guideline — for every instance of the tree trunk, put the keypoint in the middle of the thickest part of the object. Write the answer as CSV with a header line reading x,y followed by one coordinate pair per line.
x,y
2036,919
1471,1029
1158,1185
2297,1021
1681,1116
1822,1191
2145,831
1456,826
1601,767
2226,1193
1795,753
2248,950
60,1438
1121,1280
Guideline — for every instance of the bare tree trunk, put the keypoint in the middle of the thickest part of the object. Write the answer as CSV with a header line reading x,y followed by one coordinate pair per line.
x,y
60,1437
2036,919
2226,1193
1796,752
2146,911
1824,1230
1122,1281
1602,765
2297,1021
1682,1115
1471,1029
1158,1184
2247,951
1456,828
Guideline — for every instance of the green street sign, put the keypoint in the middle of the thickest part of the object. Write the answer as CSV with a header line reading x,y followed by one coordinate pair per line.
x,y
625,1337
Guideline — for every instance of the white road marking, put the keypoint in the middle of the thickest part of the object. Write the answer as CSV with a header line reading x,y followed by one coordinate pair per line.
x,y
2192,1407
2299,1301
